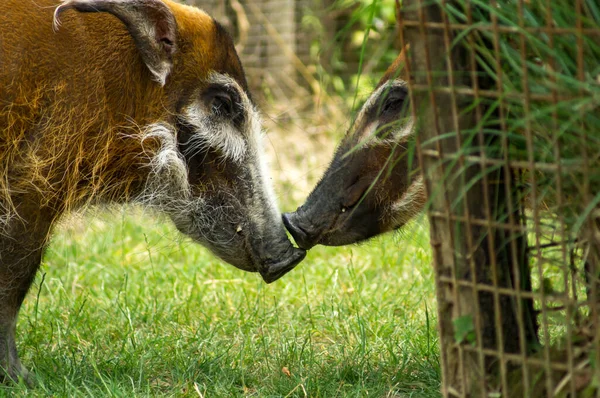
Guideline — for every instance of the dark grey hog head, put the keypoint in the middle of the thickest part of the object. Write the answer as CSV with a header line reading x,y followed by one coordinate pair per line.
x,y
373,184
227,202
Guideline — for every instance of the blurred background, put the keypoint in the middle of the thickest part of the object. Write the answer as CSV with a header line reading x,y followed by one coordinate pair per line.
x,y
297,49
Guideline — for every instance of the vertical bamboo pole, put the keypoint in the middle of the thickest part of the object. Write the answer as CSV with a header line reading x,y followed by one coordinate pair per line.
x,y
477,233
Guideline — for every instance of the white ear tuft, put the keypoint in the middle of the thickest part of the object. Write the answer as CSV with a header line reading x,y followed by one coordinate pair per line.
x,y
161,74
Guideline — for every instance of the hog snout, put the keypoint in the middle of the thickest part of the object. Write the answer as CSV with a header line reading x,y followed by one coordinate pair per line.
x,y
303,233
275,267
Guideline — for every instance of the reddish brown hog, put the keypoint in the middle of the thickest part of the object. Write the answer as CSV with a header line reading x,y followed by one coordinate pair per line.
x,y
127,101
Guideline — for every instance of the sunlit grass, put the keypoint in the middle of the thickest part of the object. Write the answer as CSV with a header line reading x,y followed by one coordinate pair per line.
x,y
124,306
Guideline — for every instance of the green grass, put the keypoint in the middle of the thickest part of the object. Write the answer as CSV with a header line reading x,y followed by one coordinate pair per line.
x,y
124,306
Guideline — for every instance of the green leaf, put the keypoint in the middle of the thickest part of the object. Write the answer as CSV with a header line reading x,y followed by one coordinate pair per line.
x,y
464,329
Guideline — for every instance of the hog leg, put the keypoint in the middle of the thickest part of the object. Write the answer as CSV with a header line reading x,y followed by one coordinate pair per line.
x,y
15,280
21,249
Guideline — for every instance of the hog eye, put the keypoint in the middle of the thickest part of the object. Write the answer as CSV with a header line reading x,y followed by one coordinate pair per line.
x,y
224,102
394,102
391,109
222,105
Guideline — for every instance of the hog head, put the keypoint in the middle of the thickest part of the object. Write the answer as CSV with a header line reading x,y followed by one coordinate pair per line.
x,y
373,184
207,169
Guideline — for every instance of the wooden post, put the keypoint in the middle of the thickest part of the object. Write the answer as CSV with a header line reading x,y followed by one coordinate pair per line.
x,y
477,232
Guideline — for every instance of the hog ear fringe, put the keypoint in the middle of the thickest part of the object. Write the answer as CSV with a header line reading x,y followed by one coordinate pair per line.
x,y
409,205
167,181
67,161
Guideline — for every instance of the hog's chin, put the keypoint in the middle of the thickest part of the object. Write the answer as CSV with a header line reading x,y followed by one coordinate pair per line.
x,y
343,237
352,230
230,249
227,245
240,260
340,238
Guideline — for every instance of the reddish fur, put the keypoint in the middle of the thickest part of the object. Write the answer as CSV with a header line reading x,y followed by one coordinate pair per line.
x,y
70,98
73,107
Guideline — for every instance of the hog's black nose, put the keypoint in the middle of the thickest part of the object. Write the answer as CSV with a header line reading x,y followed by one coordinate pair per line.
x,y
273,271
300,235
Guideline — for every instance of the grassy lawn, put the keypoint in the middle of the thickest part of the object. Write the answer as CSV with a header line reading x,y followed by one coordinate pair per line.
x,y
125,306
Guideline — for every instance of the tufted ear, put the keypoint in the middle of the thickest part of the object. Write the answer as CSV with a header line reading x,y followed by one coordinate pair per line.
x,y
150,22
401,59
